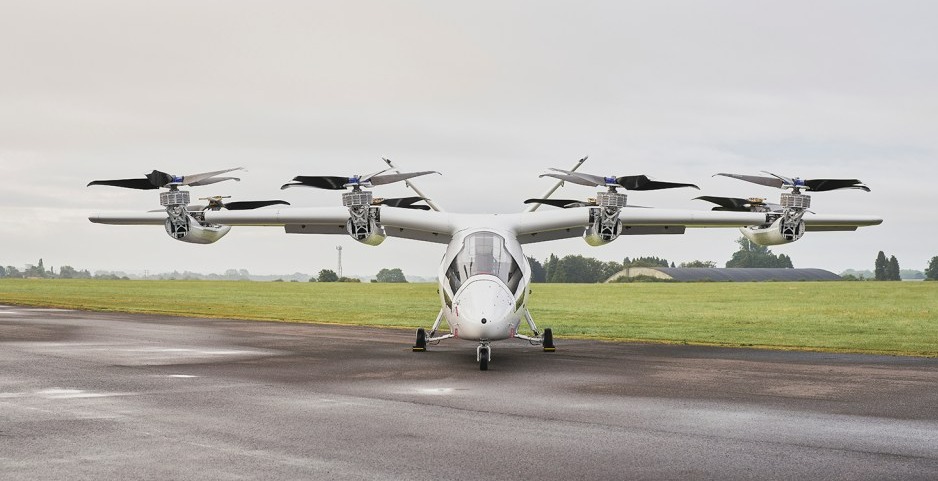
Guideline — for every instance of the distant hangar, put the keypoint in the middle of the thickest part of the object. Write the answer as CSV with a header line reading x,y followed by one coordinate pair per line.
x,y
729,274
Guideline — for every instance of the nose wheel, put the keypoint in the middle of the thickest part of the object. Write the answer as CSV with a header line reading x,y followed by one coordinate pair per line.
x,y
484,355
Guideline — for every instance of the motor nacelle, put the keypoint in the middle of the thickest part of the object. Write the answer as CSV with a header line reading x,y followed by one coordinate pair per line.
x,y
783,230
364,226
186,228
604,226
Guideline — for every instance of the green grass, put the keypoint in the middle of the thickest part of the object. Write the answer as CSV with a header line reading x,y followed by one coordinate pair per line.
x,y
872,317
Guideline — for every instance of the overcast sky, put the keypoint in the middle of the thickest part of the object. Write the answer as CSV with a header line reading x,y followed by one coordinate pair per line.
x,y
491,94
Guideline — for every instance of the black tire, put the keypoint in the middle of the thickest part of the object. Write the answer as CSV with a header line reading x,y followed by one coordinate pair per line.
x,y
548,341
484,360
421,344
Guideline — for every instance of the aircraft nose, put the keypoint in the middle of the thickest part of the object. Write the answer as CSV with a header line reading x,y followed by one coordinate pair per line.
x,y
485,303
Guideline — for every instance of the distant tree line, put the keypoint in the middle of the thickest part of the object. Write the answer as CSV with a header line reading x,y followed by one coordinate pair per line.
x,y
39,270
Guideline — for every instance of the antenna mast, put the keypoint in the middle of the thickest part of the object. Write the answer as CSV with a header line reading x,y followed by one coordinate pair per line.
x,y
339,249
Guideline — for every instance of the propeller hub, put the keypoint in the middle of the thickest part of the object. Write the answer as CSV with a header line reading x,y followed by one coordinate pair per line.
x,y
795,201
611,199
357,198
174,197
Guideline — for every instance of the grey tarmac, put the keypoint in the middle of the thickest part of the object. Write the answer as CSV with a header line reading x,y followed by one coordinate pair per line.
x,y
87,395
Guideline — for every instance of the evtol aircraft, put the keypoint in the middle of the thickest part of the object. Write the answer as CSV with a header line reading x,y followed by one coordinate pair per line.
x,y
484,277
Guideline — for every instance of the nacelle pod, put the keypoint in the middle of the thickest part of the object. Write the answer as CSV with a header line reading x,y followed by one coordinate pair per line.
x,y
364,227
604,226
188,229
782,231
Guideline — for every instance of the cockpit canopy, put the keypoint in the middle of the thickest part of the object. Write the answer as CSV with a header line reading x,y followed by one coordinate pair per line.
x,y
484,253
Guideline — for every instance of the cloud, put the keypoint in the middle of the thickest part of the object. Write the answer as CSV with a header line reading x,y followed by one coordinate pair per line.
x,y
489,93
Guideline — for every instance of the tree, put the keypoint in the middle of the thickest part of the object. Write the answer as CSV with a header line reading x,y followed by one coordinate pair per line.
x,y
699,264
68,272
37,270
327,275
549,267
579,269
645,262
390,275
892,270
538,273
931,272
879,273
3,272
13,272
751,254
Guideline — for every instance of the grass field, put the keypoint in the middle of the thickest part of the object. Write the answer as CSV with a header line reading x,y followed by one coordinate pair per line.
x,y
873,317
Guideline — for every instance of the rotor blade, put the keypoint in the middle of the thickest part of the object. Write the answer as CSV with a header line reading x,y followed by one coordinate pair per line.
x,y
197,179
562,203
404,202
734,204
253,204
556,186
369,176
213,180
319,182
580,178
160,179
391,178
756,179
785,180
642,182
821,185
141,184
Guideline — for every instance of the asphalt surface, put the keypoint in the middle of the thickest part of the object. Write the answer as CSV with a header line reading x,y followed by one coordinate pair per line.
x,y
119,396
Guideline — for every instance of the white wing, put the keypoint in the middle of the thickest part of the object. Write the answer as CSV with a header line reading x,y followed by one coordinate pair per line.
x,y
439,227
129,218
421,225
826,222
562,224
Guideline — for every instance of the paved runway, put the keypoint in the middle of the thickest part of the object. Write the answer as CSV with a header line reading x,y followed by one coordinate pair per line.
x,y
119,396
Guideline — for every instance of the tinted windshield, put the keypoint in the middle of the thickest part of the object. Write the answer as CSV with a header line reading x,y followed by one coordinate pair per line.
x,y
484,253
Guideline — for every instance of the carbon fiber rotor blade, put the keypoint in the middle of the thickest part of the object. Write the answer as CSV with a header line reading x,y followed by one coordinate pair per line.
x,y
733,204
562,203
141,184
404,203
252,204
642,182
160,179
318,181
821,185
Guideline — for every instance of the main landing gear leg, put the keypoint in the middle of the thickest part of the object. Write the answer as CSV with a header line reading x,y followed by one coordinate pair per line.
x,y
436,323
484,355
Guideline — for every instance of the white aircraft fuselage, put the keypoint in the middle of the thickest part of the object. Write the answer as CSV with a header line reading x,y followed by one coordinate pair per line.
x,y
483,284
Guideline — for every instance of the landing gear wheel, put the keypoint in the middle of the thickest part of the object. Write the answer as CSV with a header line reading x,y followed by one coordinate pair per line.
x,y
548,341
484,359
421,344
